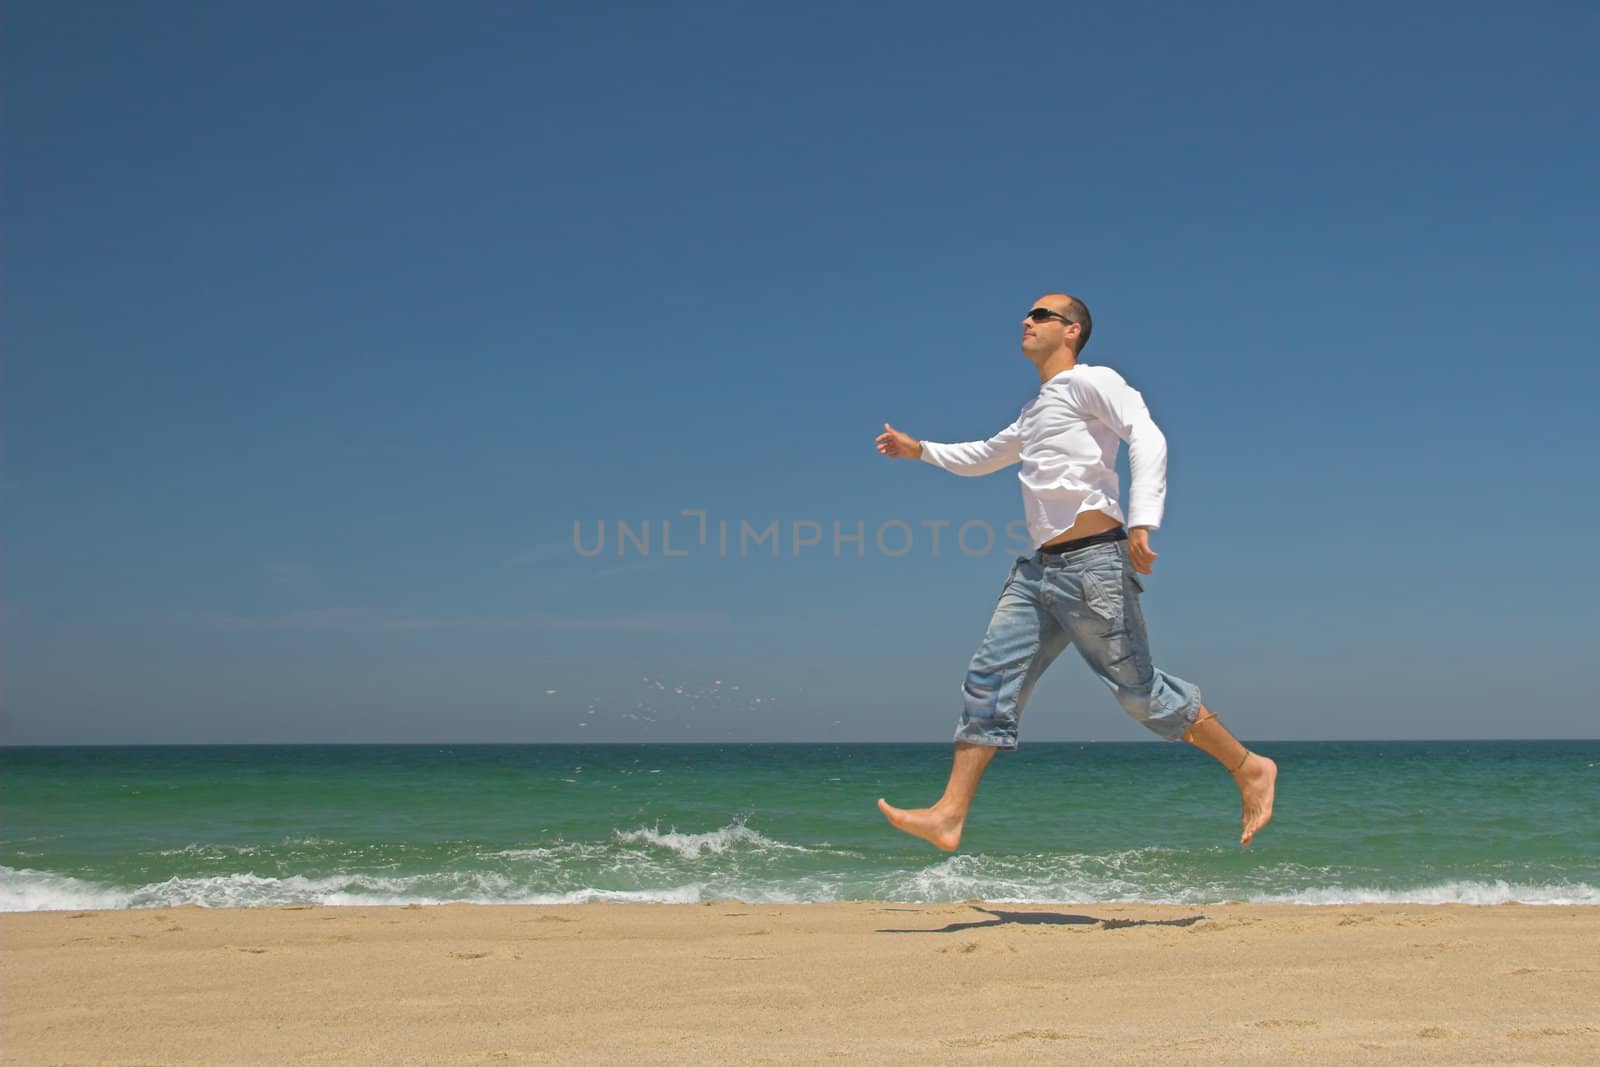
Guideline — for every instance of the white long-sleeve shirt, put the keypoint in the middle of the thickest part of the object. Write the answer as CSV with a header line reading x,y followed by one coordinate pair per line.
x,y
1066,440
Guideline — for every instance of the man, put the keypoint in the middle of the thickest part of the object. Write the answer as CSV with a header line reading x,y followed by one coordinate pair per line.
x,y
1080,587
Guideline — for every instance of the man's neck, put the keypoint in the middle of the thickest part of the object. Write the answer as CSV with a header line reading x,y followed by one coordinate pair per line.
x,y
1065,359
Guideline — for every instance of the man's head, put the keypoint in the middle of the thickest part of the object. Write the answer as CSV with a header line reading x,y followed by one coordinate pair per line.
x,y
1055,324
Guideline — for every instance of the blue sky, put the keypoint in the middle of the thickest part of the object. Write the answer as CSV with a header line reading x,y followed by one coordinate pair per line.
x,y
323,325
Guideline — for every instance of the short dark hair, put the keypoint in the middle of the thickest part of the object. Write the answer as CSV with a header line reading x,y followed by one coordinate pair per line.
x,y
1078,312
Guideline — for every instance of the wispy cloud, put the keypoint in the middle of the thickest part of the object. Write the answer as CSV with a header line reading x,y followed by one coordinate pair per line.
x,y
361,620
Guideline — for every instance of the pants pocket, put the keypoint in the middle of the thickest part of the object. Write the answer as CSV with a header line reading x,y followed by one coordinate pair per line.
x,y
1101,595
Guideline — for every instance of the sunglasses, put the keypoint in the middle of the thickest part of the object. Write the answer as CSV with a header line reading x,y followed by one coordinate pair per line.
x,y
1045,315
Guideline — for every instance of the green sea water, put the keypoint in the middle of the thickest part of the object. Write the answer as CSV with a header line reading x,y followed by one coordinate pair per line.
x,y
1427,822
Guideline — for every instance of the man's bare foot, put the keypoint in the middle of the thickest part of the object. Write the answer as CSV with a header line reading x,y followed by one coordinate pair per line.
x,y
1257,781
930,824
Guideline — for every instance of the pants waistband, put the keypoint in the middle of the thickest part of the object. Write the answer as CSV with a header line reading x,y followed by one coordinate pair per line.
x,y
1106,537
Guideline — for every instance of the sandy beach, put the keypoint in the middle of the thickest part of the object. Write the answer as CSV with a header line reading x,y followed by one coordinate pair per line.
x,y
861,982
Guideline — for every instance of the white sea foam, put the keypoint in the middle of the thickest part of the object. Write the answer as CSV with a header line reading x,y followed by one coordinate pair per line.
x,y
1140,876
22,889
216,851
523,853
27,890
1033,880
662,849
1443,893
683,894
712,842
565,851
210,852
1038,879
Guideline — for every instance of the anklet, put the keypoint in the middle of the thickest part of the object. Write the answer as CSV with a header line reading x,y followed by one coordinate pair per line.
x,y
1247,755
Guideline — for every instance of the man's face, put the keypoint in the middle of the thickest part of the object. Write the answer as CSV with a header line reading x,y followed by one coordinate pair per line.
x,y
1044,334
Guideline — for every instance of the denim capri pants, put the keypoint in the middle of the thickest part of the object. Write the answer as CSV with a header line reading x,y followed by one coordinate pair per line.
x,y
1088,597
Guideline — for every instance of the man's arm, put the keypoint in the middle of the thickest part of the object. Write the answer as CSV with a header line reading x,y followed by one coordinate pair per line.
x,y
969,458
1117,404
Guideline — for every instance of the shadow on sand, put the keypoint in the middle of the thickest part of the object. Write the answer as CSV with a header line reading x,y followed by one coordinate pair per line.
x,y
1048,918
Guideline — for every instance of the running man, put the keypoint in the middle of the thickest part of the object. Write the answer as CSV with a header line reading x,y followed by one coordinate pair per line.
x,y
1080,586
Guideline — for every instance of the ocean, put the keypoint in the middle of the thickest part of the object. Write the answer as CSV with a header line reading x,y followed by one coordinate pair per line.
x,y
1485,822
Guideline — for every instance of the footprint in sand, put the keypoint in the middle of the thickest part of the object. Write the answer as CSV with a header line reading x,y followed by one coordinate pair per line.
x,y
1553,1031
1019,1035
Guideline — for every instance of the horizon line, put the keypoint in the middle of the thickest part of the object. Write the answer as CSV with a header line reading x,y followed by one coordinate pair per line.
x,y
605,744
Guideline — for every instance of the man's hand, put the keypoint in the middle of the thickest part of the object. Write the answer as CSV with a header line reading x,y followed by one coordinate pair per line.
x,y
896,445
1139,553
